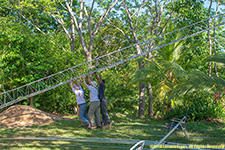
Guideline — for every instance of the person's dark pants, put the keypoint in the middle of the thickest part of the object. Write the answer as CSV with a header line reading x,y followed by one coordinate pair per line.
x,y
105,116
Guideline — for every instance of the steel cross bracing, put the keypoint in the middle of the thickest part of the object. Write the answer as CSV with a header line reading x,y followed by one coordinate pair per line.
x,y
109,60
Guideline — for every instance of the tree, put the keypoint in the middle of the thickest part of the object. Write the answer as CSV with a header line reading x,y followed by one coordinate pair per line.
x,y
165,68
46,16
23,58
138,13
198,80
209,38
83,21
165,60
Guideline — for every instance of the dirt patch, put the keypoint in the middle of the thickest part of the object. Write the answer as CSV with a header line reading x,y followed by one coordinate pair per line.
x,y
23,116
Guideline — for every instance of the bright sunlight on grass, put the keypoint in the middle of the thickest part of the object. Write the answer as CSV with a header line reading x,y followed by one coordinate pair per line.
x,y
123,134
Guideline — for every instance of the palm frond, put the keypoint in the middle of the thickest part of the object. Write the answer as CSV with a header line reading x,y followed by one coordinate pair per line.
x,y
145,75
178,71
216,58
198,80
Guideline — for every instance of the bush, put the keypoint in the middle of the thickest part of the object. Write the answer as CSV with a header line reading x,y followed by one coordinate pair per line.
x,y
201,105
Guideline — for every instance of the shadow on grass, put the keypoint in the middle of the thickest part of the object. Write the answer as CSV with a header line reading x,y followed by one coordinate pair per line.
x,y
65,145
125,128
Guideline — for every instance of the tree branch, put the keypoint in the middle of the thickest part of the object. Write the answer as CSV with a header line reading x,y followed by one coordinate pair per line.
x,y
163,28
92,6
142,5
138,9
71,13
160,13
81,13
60,21
79,30
154,18
63,5
119,30
129,16
103,17
88,18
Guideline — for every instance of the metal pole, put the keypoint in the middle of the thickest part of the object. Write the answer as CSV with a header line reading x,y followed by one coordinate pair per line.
x,y
165,137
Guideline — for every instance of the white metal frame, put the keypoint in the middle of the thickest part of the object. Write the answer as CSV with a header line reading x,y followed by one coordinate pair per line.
x,y
140,144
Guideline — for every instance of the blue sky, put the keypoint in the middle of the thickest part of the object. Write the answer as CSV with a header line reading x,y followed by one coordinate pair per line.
x,y
213,5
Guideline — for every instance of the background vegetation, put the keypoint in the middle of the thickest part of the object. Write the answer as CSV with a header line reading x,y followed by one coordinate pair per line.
x,y
40,38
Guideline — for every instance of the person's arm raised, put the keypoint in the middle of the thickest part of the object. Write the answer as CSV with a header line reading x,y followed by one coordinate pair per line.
x,y
71,83
92,76
89,79
100,77
97,78
78,82
85,84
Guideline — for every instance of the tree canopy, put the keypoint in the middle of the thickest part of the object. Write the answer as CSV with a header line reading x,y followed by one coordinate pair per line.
x,y
43,37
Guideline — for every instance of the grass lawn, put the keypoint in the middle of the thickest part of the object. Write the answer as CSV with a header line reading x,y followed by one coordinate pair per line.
x,y
123,134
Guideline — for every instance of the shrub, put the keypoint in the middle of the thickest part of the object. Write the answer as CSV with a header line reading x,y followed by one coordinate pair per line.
x,y
202,105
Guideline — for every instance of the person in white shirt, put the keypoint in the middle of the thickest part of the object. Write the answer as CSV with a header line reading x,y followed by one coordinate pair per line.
x,y
94,108
80,97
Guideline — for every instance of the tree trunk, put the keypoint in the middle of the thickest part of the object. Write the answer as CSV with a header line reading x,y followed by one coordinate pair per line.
x,y
210,42
72,45
214,39
150,100
168,106
31,101
3,90
141,111
163,110
23,65
169,103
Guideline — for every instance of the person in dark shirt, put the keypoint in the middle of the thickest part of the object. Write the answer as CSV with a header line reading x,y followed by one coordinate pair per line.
x,y
103,102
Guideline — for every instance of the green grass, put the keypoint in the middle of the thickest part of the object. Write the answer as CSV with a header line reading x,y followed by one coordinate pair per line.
x,y
124,128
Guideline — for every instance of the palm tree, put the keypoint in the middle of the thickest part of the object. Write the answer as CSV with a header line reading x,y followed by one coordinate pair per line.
x,y
198,80
163,69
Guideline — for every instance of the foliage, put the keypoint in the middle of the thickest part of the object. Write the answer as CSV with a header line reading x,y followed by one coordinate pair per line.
x,y
24,57
189,11
27,55
120,92
202,105
199,80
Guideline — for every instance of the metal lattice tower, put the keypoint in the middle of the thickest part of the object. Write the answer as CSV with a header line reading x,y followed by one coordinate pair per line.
x,y
109,60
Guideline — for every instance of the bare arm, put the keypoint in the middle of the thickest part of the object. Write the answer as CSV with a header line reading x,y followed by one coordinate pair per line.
x,y
85,84
89,80
72,83
100,77
97,77
78,82
92,76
